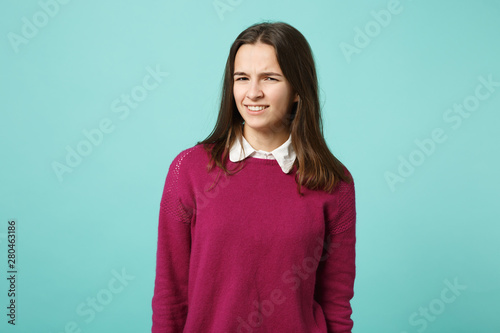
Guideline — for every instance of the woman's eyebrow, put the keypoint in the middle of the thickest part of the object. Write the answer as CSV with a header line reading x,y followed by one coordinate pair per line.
x,y
262,74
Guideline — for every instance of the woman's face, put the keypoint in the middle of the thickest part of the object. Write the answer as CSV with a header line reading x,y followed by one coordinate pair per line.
x,y
262,94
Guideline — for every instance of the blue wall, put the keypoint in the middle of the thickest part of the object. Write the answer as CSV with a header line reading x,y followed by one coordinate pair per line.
x,y
98,97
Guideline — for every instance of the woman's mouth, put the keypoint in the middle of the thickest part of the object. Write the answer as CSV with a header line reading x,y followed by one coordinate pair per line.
x,y
256,109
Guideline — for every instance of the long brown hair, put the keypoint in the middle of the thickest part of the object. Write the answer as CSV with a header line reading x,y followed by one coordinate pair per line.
x,y
316,167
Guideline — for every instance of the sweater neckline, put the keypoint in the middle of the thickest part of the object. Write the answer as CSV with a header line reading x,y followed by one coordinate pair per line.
x,y
263,161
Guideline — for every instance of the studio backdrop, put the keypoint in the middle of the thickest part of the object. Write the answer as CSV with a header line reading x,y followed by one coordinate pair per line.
x,y
98,97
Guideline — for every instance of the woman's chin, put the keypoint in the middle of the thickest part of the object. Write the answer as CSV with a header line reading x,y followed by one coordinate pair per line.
x,y
263,127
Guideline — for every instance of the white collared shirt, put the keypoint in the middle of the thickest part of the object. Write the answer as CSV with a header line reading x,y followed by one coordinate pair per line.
x,y
284,154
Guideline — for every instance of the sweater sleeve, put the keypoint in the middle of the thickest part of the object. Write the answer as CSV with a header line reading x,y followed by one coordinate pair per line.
x,y
336,273
170,298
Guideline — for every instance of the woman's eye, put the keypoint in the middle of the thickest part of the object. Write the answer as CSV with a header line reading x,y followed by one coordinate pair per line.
x,y
245,78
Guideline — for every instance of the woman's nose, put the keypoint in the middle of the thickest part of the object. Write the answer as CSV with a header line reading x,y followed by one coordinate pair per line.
x,y
254,91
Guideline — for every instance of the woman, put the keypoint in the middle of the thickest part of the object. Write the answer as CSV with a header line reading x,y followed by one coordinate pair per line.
x,y
257,222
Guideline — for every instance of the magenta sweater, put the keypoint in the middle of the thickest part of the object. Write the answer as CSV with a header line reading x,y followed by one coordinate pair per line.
x,y
249,254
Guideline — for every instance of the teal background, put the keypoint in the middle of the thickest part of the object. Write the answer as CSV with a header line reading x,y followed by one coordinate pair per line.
x,y
441,223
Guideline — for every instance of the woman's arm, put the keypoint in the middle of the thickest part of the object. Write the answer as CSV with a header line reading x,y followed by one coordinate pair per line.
x,y
170,299
335,276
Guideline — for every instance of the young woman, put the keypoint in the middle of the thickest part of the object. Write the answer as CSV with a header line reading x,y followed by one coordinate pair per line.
x,y
257,222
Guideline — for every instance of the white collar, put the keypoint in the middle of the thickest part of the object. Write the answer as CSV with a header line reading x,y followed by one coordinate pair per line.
x,y
284,154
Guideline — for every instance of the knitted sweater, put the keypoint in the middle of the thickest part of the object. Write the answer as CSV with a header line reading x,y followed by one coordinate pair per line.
x,y
245,253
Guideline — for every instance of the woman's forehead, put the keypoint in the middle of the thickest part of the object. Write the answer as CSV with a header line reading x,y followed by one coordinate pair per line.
x,y
256,57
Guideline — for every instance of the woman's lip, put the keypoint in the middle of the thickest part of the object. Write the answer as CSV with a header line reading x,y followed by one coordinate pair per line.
x,y
256,112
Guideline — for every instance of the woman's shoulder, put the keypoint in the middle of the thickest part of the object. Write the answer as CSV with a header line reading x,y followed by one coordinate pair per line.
x,y
341,211
345,187
187,166
190,158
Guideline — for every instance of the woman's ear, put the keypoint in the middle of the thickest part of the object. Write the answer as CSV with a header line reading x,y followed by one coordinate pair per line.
x,y
297,97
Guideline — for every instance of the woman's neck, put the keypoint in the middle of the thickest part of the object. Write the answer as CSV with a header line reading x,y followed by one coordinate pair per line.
x,y
265,140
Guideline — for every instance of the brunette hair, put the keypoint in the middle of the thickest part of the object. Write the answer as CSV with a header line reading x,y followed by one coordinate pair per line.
x,y
316,167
